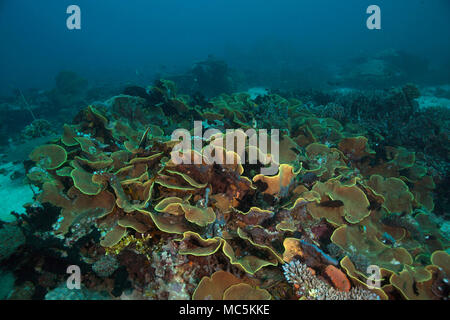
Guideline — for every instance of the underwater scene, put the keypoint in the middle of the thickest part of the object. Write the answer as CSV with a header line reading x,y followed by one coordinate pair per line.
x,y
224,150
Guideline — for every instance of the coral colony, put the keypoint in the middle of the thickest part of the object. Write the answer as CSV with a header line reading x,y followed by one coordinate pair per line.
x,y
147,215
234,140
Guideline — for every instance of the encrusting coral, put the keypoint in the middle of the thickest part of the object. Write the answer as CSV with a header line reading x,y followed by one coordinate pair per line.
x,y
224,231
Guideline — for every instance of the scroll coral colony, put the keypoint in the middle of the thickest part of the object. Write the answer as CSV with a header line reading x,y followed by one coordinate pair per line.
x,y
225,231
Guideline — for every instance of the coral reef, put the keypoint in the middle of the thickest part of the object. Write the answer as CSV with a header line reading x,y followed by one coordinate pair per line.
x,y
386,68
105,266
312,288
63,293
7,280
11,238
38,128
144,226
207,78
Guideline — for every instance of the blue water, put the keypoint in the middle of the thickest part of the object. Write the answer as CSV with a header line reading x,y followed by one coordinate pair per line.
x,y
119,37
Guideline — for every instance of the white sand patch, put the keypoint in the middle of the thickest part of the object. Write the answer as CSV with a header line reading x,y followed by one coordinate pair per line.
x,y
430,101
344,90
257,92
13,193
441,91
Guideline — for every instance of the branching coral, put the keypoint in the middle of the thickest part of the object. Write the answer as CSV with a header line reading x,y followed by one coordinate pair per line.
x,y
308,286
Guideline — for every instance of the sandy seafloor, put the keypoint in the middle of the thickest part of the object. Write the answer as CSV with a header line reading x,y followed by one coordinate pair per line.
x,y
13,192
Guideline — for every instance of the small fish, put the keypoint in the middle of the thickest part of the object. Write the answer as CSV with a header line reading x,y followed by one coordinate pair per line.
x,y
327,257
388,239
